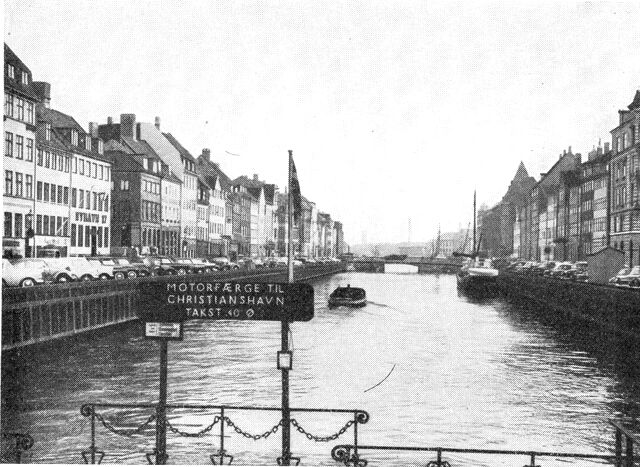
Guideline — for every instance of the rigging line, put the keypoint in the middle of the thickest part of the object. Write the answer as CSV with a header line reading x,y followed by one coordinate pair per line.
x,y
232,154
385,378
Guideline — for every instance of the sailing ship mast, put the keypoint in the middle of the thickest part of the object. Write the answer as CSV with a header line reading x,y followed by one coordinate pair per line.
x,y
474,223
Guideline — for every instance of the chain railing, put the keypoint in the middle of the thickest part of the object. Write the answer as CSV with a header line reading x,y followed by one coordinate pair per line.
x,y
13,447
97,412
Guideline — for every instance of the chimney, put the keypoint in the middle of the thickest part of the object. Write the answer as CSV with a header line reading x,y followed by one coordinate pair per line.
x,y
606,147
109,120
255,177
158,123
43,90
569,151
128,126
93,129
206,154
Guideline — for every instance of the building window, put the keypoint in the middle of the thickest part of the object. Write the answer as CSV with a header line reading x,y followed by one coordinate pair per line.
x,y
8,144
95,201
25,78
75,165
53,193
87,142
124,185
99,237
46,191
74,197
39,224
8,104
100,148
11,71
81,200
94,170
106,203
87,236
101,172
47,159
8,224
18,225
19,185
8,182
45,225
87,202
80,235
20,108
73,235
30,113
39,160
29,150
106,237
65,198
47,131
74,137
54,162
39,191
29,186
19,147
81,166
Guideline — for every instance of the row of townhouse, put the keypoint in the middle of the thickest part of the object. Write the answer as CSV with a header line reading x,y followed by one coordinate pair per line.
x,y
576,208
127,186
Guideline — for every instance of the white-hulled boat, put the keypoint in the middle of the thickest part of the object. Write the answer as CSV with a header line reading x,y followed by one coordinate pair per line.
x,y
477,275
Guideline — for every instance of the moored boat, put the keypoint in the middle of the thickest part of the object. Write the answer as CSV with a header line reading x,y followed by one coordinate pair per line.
x,y
348,296
478,275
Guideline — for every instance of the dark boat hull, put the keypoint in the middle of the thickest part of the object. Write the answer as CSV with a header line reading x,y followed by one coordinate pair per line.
x,y
477,285
354,303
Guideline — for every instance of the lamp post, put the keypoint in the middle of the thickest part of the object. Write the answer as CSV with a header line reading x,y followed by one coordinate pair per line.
x,y
29,234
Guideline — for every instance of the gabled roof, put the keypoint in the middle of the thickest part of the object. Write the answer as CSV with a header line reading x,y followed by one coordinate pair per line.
x,y
15,84
61,121
58,119
211,171
181,149
254,185
636,101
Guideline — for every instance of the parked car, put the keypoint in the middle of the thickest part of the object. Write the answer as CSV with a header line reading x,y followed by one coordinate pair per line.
x,y
123,268
79,266
578,272
104,271
621,273
160,266
223,263
544,268
560,269
631,279
183,266
22,273
200,266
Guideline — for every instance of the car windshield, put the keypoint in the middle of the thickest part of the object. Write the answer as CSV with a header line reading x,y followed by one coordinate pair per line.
x,y
165,261
124,262
623,272
635,271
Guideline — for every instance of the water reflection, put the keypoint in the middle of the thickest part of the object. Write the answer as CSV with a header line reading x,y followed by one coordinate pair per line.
x,y
468,373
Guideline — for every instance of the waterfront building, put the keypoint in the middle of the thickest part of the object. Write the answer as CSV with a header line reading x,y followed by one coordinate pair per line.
x,y
325,235
202,219
221,205
136,196
340,248
594,201
495,225
625,182
73,185
170,189
20,100
183,165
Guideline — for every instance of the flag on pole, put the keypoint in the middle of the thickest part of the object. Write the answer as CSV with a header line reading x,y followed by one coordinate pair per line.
x,y
294,189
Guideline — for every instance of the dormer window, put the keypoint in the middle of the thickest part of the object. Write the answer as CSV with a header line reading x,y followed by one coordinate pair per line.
x,y
47,131
100,147
87,142
145,165
74,137
11,71
25,78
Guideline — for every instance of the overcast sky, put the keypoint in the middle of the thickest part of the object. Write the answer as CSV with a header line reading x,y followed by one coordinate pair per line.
x,y
394,110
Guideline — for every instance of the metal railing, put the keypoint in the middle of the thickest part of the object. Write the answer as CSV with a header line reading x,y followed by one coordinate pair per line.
x,y
95,411
13,447
350,454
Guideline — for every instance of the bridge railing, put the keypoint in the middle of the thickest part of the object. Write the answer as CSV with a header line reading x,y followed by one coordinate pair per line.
x,y
101,414
624,455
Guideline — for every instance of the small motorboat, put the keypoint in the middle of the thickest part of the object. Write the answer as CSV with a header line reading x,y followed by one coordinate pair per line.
x,y
348,296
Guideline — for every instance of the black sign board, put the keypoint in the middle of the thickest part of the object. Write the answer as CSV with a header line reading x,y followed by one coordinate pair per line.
x,y
186,299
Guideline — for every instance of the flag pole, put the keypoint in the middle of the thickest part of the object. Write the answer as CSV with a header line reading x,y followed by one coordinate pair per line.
x,y
284,334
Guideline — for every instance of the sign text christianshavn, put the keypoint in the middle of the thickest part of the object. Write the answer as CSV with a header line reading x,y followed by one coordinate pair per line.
x,y
181,301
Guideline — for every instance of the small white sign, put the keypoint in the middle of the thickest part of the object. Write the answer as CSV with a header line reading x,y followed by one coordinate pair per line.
x,y
163,330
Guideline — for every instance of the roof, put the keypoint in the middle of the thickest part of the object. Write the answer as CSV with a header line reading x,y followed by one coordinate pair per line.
x,y
15,84
636,101
212,172
61,121
58,119
254,185
181,149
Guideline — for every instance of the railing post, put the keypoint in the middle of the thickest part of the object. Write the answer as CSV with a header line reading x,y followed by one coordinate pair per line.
x,y
221,435
93,435
629,454
161,409
618,447
355,434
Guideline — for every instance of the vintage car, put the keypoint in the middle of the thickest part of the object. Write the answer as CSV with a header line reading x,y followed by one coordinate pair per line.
x,y
627,277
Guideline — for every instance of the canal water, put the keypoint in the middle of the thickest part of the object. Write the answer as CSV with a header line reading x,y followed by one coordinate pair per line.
x,y
459,372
